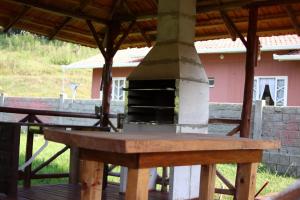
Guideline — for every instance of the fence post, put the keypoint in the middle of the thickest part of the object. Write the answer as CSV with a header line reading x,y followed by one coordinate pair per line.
x,y
258,119
61,106
2,99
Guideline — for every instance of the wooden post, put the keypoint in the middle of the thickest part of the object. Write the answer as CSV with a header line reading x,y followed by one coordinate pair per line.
x,y
113,29
207,182
246,181
91,174
137,184
251,57
28,154
74,165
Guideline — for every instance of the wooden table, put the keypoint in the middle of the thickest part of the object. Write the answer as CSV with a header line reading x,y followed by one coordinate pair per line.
x,y
140,152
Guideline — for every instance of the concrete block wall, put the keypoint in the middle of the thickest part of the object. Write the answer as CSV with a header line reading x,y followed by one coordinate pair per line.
x,y
283,123
68,105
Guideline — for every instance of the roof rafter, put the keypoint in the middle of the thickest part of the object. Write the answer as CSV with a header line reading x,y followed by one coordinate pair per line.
x,y
123,37
293,18
56,30
17,18
97,39
59,11
82,5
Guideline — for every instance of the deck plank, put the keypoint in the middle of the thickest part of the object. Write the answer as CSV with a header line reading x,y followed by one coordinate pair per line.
x,y
66,192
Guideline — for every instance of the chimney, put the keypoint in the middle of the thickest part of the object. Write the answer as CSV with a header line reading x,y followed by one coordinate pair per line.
x,y
168,91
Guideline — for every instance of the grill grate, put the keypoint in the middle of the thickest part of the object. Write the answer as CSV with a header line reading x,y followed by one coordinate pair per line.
x,y
151,101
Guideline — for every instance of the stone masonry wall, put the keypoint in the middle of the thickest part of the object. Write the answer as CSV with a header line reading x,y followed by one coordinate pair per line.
x,y
283,123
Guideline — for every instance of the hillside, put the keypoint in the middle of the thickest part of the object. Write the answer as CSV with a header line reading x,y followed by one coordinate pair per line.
x,y
31,66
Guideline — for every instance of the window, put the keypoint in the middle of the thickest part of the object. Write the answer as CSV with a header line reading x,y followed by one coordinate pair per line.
x,y
271,88
117,89
211,82
117,93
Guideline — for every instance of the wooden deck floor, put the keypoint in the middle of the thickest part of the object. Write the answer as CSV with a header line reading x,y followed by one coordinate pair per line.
x,y
64,192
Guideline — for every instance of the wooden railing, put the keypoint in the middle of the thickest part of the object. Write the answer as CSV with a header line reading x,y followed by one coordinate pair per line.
x,y
30,120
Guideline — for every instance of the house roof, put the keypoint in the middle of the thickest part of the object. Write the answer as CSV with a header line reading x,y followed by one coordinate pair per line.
x,y
132,57
67,19
274,43
292,56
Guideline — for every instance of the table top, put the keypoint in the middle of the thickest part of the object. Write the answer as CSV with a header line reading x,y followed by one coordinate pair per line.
x,y
155,142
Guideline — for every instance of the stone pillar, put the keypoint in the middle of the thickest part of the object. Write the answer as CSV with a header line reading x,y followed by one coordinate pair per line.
x,y
258,119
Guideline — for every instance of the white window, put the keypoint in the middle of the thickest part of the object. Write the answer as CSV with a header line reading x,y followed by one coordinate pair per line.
x,y
117,93
211,82
275,87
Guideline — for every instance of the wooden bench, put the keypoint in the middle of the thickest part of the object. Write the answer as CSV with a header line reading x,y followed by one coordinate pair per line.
x,y
9,158
140,152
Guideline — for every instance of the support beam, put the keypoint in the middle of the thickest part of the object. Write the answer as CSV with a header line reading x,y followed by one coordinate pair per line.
x,y
58,11
96,37
82,5
54,33
17,18
228,25
293,18
251,57
123,37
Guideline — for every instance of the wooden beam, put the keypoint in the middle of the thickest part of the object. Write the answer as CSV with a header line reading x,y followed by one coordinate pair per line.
x,y
293,18
91,173
145,36
246,181
56,30
229,27
59,11
17,18
137,184
207,182
96,37
83,4
251,57
123,37
241,4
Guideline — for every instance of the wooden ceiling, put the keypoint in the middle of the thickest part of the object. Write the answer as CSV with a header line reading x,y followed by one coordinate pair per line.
x,y
67,19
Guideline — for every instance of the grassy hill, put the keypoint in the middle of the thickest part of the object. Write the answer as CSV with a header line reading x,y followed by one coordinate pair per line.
x,y
31,66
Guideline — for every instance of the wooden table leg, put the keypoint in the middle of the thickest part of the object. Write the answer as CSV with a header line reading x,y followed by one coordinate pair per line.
x,y
246,181
91,173
207,182
137,184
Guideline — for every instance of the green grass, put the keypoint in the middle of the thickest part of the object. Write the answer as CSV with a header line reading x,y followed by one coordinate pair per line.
x,y
61,164
31,66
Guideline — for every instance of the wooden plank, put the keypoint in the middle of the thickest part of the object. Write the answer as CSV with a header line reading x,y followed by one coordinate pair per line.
x,y
207,182
58,11
198,157
17,18
154,142
137,184
246,181
148,160
91,173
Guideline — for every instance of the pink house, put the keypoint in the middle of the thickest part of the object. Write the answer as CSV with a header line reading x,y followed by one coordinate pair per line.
x,y
277,75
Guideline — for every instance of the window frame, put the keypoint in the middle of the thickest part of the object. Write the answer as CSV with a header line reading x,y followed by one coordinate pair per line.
x,y
285,78
113,88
